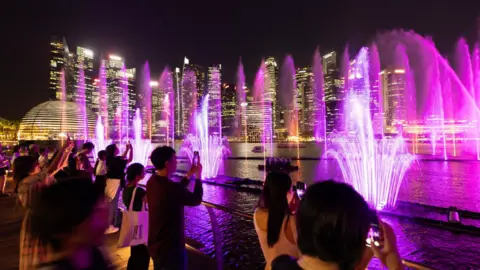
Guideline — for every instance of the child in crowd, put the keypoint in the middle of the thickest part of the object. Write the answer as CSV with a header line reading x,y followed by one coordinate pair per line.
x,y
139,257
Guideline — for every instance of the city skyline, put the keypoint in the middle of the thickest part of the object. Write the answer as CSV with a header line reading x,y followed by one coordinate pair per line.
x,y
165,33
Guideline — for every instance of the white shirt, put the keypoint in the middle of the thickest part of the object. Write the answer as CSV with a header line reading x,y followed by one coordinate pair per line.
x,y
101,168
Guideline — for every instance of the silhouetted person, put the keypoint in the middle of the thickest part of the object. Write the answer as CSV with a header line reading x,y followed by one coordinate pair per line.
x,y
166,200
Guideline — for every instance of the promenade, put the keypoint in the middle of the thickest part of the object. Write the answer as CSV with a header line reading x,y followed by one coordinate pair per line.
x,y
10,222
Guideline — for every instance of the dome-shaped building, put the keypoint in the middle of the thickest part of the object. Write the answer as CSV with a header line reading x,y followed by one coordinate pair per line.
x,y
48,121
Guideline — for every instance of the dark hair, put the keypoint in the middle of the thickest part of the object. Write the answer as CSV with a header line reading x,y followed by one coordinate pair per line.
x,y
83,159
332,224
274,200
62,206
102,154
43,150
16,149
22,166
134,170
161,155
88,145
110,153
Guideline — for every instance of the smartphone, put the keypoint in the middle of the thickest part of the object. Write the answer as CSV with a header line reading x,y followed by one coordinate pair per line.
x,y
196,156
300,188
374,235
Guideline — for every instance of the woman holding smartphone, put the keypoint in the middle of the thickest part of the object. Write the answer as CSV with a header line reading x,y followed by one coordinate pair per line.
x,y
116,180
274,220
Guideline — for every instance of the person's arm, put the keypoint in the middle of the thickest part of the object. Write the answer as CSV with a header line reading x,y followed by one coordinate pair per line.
x,y
192,198
130,154
60,159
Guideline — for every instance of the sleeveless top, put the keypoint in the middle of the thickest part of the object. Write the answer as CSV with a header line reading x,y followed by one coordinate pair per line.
x,y
283,246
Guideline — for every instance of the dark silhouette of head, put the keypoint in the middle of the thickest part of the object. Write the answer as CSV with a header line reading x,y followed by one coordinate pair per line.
x,y
332,224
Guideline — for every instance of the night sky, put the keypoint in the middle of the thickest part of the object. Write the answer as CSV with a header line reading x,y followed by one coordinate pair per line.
x,y
208,32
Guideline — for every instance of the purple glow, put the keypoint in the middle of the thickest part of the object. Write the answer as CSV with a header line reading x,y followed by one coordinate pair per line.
x,y
166,122
141,147
63,98
374,167
80,99
212,148
124,112
189,100
103,99
146,101
241,99
320,127
289,96
262,102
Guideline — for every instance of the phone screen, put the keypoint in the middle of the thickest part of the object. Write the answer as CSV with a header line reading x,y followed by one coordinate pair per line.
x,y
195,158
374,234
300,189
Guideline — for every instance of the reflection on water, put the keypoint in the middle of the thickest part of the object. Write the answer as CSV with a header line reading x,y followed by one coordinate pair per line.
x,y
435,248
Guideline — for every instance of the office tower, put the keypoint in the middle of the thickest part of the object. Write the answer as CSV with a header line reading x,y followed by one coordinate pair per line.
x,y
229,109
121,95
271,93
84,60
393,86
329,61
306,101
192,92
214,101
61,60
158,135
334,93
257,123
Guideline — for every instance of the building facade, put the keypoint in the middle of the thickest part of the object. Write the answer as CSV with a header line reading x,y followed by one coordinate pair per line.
x,y
61,77
393,86
334,93
306,101
215,100
192,93
271,93
229,109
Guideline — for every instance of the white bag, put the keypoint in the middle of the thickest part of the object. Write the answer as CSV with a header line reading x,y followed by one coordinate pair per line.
x,y
134,230
111,188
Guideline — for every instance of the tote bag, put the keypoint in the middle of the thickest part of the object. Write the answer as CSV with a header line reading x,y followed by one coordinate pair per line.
x,y
134,230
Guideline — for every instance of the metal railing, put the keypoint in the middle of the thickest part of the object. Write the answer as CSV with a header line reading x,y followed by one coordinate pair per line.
x,y
218,243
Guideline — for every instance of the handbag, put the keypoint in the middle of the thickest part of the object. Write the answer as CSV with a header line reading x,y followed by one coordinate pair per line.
x,y
134,230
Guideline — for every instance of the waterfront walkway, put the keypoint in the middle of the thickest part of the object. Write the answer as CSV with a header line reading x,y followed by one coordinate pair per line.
x,y
11,216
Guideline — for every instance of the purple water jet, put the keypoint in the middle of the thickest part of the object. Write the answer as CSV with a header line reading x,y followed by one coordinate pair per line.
x,y
320,127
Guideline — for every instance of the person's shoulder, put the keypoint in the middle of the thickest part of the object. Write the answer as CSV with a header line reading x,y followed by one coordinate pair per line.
x,y
260,217
285,262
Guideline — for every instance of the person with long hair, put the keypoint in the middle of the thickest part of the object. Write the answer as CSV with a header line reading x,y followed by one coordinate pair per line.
x,y
83,166
70,218
139,257
30,179
116,166
333,221
273,219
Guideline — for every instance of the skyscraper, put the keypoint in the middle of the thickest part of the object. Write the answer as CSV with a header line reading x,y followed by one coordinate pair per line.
x,y
306,101
176,76
121,95
84,60
334,92
215,102
192,92
271,92
393,86
229,109
61,61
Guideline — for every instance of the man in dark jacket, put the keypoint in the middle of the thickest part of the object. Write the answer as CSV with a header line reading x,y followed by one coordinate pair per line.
x,y
166,199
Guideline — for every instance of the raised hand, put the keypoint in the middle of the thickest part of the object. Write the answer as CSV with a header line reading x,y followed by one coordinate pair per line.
x,y
388,255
